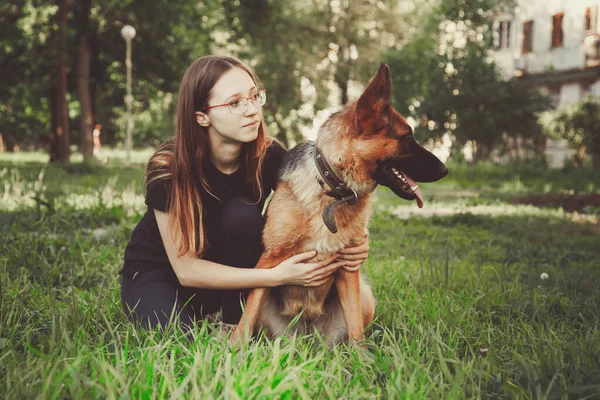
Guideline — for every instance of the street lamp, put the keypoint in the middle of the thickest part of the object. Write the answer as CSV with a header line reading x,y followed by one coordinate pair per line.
x,y
128,33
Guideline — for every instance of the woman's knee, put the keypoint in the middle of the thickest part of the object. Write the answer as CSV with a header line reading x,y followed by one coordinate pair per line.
x,y
152,303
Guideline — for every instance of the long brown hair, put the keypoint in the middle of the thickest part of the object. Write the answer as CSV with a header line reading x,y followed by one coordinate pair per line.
x,y
181,158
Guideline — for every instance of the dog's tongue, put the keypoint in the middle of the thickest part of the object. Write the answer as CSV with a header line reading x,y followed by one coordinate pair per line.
x,y
416,189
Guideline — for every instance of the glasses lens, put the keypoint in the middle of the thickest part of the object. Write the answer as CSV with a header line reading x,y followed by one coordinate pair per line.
x,y
260,98
238,106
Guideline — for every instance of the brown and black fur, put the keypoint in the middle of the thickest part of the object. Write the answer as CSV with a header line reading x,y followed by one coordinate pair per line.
x,y
357,142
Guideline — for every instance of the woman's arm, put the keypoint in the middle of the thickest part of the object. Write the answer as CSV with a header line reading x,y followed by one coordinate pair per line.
x,y
195,272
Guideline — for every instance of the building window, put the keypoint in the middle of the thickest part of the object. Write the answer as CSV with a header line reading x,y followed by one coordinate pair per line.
x,y
591,19
502,37
527,37
557,30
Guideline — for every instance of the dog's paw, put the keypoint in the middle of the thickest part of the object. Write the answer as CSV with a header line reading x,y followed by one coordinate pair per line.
x,y
237,338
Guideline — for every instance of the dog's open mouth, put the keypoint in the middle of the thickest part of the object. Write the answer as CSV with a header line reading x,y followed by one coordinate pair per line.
x,y
400,183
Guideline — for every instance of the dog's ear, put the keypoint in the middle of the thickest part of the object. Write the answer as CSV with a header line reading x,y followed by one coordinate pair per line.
x,y
373,106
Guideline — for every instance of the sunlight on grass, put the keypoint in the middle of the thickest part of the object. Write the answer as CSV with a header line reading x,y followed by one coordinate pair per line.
x,y
485,298
114,156
17,193
440,209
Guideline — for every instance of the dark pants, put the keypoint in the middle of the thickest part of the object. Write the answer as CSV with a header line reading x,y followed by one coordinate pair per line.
x,y
154,297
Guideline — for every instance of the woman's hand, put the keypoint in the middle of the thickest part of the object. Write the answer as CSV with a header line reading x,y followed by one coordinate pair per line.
x,y
296,271
353,257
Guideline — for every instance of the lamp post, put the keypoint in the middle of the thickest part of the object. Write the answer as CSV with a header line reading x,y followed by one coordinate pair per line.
x,y
128,33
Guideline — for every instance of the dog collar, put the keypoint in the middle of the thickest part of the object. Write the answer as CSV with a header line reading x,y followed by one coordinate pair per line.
x,y
339,190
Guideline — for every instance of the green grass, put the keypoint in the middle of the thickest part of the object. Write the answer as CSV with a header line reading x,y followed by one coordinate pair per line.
x,y
462,311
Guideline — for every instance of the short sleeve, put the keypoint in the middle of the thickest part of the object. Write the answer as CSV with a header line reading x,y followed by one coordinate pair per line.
x,y
272,163
157,194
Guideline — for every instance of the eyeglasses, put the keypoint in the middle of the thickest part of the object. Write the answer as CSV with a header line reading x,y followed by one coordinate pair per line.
x,y
240,105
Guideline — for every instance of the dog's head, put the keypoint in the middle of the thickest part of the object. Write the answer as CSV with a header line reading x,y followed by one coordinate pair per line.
x,y
386,145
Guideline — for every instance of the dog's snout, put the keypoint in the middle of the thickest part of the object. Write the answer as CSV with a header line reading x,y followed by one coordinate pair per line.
x,y
443,171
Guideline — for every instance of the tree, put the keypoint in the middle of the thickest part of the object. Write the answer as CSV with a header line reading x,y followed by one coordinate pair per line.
x,y
59,134
281,42
357,33
84,56
300,48
446,80
26,69
580,126
34,100
170,34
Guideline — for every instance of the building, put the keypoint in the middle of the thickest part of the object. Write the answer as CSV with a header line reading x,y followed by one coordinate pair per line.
x,y
555,46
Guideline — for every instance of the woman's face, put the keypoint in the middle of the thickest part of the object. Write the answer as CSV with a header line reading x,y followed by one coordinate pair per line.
x,y
222,124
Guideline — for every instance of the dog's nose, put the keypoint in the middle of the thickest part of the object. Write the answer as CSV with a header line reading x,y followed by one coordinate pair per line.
x,y
443,171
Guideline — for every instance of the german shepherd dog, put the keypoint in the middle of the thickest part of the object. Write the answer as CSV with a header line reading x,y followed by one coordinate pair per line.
x,y
323,202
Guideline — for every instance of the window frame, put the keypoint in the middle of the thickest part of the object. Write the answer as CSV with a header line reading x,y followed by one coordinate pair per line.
x,y
557,39
527,45
590,19
504,28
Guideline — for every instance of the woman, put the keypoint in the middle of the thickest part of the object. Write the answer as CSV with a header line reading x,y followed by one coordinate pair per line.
x,y
194,250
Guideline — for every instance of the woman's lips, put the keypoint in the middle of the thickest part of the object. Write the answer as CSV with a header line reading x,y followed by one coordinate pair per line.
x,y
251,123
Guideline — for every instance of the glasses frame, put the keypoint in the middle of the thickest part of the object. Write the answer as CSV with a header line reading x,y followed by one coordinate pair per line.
x,y
248,100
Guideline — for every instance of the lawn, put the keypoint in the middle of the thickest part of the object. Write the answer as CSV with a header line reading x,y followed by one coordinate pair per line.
x,y
478,296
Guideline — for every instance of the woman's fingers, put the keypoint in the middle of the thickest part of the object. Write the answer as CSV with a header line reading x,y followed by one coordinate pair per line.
x,y
325,272
323,263
353,257
358,249
307,255
352,267
321,279
353,263
316,283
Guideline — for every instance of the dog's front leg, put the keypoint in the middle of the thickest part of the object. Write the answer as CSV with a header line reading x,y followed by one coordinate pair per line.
x,y
256,299
348,288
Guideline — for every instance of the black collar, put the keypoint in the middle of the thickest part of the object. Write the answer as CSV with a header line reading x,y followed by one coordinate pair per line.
x,y
339,190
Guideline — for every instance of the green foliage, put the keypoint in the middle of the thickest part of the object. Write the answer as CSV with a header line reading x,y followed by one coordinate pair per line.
x,y
580,126
446,80
26,35
301,49
272,36
170,34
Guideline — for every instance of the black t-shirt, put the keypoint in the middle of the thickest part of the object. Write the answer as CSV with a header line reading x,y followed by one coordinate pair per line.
x,y
146,251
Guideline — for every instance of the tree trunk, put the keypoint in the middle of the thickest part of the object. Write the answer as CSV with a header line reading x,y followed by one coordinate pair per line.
x,y
53,148
83,82
60,134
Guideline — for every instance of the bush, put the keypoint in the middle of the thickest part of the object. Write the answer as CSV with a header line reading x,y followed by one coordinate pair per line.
x,y
580,126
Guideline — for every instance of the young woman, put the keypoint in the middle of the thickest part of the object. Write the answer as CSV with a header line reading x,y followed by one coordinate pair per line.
x,y
194,250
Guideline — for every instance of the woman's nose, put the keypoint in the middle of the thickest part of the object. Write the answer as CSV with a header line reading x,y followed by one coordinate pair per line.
x,y
252,108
